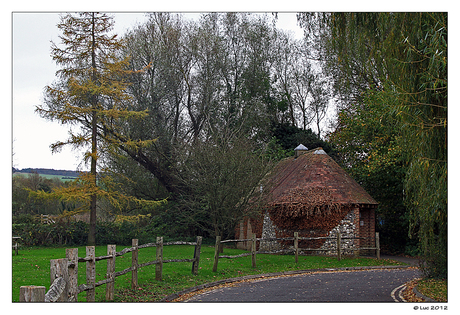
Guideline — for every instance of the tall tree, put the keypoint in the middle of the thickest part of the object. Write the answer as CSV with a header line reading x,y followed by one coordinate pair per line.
x,y
399,62
90,92
320,98
204,77
207,79
291,78
368,140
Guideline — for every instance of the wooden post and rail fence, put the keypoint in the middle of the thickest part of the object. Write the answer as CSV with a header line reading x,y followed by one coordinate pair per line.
x,y
64,272
296,250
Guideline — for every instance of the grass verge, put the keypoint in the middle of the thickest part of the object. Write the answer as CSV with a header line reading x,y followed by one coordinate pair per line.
x,y
31,267
433,288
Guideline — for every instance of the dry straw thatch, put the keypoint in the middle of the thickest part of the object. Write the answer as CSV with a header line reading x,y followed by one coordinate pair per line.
x,y
307,202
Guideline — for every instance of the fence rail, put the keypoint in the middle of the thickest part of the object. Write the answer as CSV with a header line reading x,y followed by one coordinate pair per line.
x,y
296,250
64,272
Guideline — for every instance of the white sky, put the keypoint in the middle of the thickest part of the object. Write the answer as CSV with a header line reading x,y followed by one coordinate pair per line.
x,y
33,69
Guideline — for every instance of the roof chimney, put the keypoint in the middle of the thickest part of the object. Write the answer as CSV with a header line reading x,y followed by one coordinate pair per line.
x,y
300,149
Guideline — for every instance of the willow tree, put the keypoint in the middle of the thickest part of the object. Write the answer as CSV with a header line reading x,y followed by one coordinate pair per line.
x,y
89,92
398,61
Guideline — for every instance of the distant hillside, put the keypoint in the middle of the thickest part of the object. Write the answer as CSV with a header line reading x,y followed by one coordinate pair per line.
x,y
47,171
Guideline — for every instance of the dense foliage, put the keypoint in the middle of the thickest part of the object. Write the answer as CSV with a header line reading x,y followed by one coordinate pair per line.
x,y
367,141
218,92
222,98
23,204
193,112
120,231
390,70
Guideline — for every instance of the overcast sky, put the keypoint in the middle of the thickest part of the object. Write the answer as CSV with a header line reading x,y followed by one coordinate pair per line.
x,y
33,69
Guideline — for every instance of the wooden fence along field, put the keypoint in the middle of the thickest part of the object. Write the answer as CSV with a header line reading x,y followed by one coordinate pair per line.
x,y
295,250
64,272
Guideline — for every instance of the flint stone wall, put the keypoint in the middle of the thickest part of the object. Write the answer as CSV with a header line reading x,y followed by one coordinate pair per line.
x,y
346,227
269,231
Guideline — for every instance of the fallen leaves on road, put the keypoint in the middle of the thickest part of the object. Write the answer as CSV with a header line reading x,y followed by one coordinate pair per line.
x,y
409,294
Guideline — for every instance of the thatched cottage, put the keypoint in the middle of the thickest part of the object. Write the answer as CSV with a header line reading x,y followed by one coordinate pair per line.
x,y
311,194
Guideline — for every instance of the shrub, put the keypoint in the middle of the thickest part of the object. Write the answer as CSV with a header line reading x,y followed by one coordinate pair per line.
x,y
33,233
24,218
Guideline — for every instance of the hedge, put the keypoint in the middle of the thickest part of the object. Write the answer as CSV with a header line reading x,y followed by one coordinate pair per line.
x,y
76,233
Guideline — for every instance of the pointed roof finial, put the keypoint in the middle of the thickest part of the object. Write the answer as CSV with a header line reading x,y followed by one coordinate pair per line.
x,y
300,149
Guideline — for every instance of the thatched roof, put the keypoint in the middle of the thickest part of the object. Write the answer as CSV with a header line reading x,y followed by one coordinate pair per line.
x,y
315,179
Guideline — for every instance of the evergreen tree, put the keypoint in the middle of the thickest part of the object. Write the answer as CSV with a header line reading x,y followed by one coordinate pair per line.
x,y
90,92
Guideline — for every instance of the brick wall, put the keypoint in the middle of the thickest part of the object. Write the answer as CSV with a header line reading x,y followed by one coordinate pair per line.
x,y
360,221
367,228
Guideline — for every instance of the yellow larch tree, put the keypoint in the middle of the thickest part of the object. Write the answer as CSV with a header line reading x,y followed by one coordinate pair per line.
x,y
90,92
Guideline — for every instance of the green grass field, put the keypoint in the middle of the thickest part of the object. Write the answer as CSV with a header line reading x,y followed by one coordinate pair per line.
x,y
47,176
31,267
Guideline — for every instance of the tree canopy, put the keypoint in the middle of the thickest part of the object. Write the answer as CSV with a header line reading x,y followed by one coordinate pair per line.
x,y
394,65
224,82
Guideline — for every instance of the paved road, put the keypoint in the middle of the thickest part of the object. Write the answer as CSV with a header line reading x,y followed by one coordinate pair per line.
x,y
377,285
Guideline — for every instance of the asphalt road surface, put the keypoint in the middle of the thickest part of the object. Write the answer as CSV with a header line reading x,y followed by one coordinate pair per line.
x,y
376,285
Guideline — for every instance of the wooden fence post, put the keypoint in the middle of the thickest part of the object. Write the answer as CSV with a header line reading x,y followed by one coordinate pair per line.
x,y
196,255
134,263
59,269
32,293
57,291
16,244
253,251
159,265
296,246
339,238
216,254
110,286
91,273
377,244
72,255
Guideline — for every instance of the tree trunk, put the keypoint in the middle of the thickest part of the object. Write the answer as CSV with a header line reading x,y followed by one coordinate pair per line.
x,y
317,125
92,217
